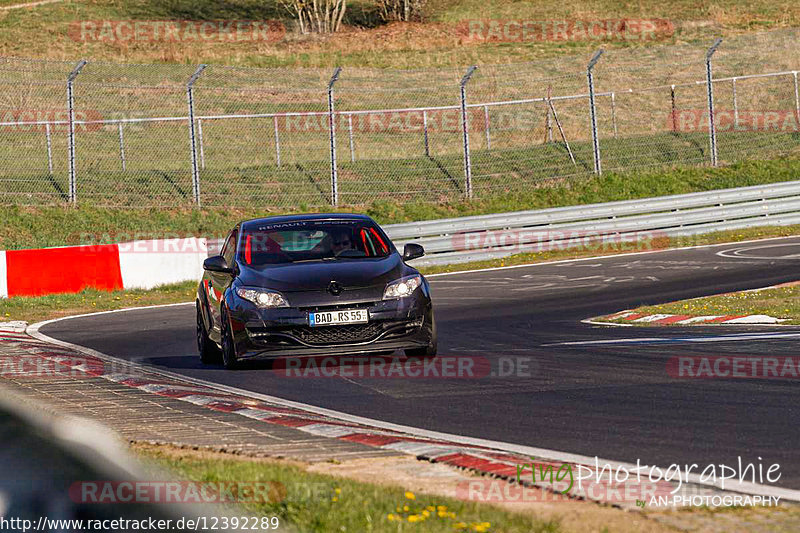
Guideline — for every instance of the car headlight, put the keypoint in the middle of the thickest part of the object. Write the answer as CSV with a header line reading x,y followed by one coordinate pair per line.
x,y
402,287
263,298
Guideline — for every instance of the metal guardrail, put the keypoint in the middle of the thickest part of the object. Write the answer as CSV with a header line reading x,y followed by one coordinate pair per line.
x,y
464,239
477,238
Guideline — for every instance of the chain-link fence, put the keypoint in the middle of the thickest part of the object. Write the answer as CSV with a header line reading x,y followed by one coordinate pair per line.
x,y
182,135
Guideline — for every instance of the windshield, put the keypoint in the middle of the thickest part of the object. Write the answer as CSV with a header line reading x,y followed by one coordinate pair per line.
x,y
316,240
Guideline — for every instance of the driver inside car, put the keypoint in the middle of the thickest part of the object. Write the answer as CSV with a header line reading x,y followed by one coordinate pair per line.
x,y
341,241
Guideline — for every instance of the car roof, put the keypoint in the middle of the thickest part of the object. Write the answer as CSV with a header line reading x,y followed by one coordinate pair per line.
x,y
249,224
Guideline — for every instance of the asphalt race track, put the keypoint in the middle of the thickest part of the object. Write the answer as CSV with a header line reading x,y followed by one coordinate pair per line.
x,y
612,400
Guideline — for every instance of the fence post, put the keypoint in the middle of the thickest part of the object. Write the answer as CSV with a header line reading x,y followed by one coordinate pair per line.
x,y
277,141
121,146
548,124
71,135
674,109
735,105
192,143
465,128
352,146
712,132
200,143
614,113
332,124
593,112
49,149
796,96
425,130
486,127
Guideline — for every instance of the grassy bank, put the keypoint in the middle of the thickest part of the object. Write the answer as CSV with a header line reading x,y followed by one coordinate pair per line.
x,y
43,31
35,227
307,502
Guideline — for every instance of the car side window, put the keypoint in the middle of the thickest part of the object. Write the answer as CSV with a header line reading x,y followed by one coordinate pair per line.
x,y
229,249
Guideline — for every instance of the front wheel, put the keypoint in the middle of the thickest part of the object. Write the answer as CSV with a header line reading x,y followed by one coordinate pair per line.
x,y
229,357
209,352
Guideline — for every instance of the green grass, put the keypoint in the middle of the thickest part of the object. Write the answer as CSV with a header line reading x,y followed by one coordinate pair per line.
x,y
321,503
36,227
35,309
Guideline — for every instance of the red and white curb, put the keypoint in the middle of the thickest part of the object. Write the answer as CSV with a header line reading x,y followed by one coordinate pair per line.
x,y
489,458
632,317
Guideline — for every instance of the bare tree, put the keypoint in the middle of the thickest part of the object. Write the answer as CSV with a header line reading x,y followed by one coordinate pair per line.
x,y
317,16
402,10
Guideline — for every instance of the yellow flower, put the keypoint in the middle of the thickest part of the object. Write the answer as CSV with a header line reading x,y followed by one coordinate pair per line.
x,y
426,513
334,499
441,507
460,525
442,514
413,518
410,495
337,490
430,508
405,508
390,516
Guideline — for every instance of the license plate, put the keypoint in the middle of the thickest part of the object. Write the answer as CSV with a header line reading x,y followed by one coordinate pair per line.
x,y
339,318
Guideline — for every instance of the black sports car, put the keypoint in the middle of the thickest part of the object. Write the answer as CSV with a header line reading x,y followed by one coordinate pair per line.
x,y
323,284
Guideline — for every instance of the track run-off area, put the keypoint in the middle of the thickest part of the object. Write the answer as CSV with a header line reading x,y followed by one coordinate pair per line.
x,y
550,381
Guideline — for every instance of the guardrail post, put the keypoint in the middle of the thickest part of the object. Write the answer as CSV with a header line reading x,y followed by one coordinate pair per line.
x,y
332,124
192,143
71,135
49,149
121,146
712,132
465,129
593,112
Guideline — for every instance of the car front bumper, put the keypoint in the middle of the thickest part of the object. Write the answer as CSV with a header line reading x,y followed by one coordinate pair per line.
x,y
393,324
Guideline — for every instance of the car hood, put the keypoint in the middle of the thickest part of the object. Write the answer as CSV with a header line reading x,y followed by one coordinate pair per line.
x,y
317,275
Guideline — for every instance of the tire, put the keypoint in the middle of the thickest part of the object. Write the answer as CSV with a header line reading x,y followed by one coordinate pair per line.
x,y
430,350
229,358
209,352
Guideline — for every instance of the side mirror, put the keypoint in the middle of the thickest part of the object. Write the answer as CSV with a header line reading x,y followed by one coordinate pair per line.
x,y
217,263
412,251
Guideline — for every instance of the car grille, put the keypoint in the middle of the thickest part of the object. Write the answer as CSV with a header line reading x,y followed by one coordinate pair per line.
x,y
337,334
